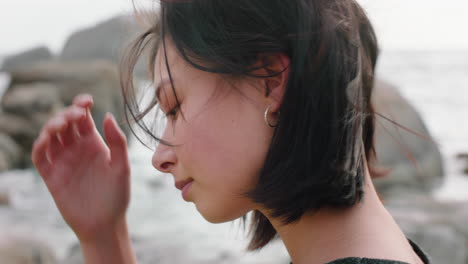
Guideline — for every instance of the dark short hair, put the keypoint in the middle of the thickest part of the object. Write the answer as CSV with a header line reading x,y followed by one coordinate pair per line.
x,y
315,159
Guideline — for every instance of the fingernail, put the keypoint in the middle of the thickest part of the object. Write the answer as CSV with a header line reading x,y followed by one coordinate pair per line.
x,y
78,112
86,96
110,115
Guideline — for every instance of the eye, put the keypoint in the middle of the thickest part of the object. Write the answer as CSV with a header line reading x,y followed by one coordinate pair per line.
x,y
173,112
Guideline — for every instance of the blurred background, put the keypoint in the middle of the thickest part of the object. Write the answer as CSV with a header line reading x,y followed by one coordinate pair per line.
x,y
50,50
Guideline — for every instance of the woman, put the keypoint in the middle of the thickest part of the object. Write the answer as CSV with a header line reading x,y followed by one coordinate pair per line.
x,y
268,111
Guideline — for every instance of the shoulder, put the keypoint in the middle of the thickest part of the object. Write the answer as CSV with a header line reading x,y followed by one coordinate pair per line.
x,y
356,260
365,261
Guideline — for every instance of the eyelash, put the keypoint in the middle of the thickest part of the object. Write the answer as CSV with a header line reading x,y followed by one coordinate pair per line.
x,y
173,112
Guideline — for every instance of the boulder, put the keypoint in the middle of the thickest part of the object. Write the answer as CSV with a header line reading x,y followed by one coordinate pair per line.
x,y
464,158
32,98
75,256
4,162
15,250
4,198
99,78
38,92
414,160
19,128
149,251
26,108
10,153
438,227
26,58
104,41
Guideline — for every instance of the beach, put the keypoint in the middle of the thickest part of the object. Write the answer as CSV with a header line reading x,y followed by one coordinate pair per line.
x,y
435,82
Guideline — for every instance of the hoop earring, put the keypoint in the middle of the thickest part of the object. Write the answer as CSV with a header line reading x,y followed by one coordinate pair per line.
x,y
265,117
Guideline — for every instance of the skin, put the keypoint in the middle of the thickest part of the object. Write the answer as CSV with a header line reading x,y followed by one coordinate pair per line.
x,y
95,184
221,141
220,124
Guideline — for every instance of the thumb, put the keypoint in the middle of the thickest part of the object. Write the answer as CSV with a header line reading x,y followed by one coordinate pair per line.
x,y
116,141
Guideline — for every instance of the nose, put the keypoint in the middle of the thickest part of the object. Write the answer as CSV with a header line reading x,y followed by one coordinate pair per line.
x,y
164,158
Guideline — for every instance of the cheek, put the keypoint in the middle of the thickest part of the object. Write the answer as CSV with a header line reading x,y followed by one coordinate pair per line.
x,y
226,146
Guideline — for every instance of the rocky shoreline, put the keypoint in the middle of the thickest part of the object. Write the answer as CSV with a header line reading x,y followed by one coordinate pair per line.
x,y
464,158
32,231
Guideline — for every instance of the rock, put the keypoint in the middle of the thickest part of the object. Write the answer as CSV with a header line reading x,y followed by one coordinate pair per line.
x,y
415,162
149,251
10,153
104,41
442,242
38,92
27,58
25,251
155,183
438,227
464,157
74,255
34,102
4,162
29,99
98,78
460,216
20,129
4,198
26,108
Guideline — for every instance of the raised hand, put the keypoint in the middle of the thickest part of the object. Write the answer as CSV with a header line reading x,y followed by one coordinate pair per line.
x,y
89,180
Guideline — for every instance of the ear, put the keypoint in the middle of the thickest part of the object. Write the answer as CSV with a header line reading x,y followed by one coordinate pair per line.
x,y
277,67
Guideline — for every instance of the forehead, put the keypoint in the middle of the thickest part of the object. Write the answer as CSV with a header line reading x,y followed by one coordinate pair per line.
x,y
174,61
169,64
161,74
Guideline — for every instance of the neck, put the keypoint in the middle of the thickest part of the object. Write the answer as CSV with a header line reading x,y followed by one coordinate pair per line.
x,y
364,230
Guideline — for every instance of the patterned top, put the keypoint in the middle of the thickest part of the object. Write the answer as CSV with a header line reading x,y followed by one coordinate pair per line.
x,y
356,260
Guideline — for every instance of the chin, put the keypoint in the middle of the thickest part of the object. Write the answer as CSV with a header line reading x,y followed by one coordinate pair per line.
x,y
220,215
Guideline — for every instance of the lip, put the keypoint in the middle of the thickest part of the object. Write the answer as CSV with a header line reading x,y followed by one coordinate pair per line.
x,y
181,184
185,191
184,186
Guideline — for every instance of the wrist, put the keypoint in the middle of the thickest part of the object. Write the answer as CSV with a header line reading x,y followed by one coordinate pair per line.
x,y
109,246
115,231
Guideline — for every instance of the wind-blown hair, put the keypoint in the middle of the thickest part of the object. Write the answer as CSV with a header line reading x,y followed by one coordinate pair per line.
x,y
326,125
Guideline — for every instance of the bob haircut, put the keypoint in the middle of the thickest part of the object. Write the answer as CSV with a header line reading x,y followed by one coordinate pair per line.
x,y
326,125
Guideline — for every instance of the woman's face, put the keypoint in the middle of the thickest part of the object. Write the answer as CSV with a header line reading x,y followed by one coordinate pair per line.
x,y
221,139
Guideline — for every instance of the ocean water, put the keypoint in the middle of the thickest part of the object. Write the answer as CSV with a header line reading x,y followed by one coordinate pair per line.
x,y
435,82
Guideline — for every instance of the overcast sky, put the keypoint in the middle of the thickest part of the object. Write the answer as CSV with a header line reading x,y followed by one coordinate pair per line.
x,y
28,23
402,24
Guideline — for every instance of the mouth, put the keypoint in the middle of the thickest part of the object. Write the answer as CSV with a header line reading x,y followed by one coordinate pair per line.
x,y
184,186
181,184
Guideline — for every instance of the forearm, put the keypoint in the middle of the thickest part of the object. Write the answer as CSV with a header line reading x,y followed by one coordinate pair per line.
x,y
114,247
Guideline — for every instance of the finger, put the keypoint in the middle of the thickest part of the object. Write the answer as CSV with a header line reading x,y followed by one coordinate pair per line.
x,y
86,125
55,148
39,154
72,115
116,141
56,124
83,100
69,135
